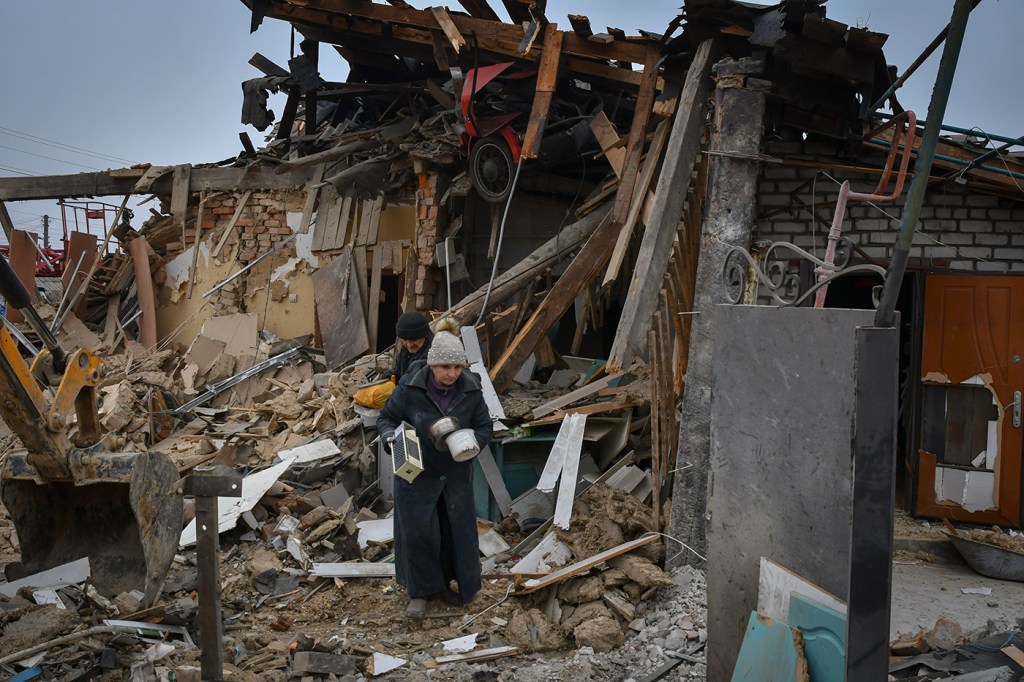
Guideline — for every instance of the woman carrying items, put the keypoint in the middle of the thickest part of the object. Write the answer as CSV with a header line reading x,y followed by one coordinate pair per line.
x,y
435,516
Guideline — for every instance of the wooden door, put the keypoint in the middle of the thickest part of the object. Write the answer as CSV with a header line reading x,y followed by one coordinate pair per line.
x,y
972,375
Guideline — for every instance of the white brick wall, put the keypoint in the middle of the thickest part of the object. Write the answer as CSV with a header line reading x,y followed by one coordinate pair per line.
x,y
958,229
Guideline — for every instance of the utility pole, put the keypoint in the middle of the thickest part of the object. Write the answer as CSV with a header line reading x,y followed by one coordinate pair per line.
x,y
46,231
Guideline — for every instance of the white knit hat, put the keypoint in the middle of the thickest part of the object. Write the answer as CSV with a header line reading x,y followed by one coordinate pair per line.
x,y
446,349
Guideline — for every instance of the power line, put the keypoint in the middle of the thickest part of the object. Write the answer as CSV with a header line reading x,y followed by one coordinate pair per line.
x,y
20,171
44,156
62,145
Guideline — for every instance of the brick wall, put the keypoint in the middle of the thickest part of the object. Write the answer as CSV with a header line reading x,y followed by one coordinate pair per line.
x,y
956,229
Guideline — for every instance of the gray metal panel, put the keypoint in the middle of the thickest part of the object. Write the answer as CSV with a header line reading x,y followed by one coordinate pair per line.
x,y
874,447
782,407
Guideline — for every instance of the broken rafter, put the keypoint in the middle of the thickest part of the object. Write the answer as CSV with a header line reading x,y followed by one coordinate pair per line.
x,y
656,246
447,26
479,9
585,565
547,74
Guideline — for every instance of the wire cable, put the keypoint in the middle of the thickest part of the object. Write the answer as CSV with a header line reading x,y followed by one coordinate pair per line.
x,y
497,250
51,158
61,145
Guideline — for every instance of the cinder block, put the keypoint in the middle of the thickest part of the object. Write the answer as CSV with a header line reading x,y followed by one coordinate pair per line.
x,y
322,664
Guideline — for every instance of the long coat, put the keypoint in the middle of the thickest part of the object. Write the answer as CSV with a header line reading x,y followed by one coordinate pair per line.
x,y
435,516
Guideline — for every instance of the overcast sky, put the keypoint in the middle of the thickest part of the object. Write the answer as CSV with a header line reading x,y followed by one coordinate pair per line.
x,y
159,82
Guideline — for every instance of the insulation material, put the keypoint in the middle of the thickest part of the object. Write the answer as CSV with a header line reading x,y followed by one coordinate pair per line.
x,y
972,490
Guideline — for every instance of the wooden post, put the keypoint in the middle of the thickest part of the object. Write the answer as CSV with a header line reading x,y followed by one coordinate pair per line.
x,y
731,204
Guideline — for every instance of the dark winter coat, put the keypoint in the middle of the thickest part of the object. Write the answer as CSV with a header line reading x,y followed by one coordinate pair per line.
x,y
404,359
435,515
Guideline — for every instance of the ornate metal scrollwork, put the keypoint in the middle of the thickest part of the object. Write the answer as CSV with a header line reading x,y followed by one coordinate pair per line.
x,y
774,274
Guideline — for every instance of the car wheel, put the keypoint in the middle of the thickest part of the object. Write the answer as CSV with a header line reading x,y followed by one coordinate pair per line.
x,y
491,169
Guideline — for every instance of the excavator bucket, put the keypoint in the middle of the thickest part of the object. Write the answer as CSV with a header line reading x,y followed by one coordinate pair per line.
x,y
124,513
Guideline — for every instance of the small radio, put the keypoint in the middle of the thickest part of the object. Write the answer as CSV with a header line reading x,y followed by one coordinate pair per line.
x,y
405,453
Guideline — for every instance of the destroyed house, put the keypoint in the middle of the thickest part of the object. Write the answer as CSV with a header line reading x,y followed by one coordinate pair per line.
x,y
582,203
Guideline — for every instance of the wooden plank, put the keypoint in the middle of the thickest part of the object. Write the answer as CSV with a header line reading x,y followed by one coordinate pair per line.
x,y
353,569
437,43
547,74
585,565
590,408
22,256
478,656
569,434
570,473
365,211
180,196
312,193
495,481
341,224
571,397
139,249
606,136
339,309
476,365
359,275
592,257
641,196
655,248
374,227
229,229
373,303
447,26
110,322
198,227
529,36
325,231
5,221
581,25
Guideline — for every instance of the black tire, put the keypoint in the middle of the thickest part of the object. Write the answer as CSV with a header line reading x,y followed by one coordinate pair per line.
x,y
491,169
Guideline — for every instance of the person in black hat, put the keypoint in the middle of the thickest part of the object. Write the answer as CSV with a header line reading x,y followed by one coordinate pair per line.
x,y
413,331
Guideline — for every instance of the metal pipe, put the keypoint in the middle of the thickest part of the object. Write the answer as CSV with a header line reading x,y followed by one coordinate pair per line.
x,y
919,185
976,132
898,83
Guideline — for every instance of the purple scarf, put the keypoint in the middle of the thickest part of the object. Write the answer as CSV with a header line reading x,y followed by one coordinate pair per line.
x,y
442,396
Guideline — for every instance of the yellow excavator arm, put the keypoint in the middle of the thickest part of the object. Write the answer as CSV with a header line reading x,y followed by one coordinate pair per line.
x,y
71,497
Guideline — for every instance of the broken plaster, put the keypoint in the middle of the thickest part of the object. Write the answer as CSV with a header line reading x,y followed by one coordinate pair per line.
x,y
303,249
177,269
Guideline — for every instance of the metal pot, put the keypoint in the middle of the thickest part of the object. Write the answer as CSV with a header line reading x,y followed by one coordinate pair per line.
x,y
463,445
441,429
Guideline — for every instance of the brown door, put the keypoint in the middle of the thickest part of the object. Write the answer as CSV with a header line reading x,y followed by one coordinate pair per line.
x,y
972,376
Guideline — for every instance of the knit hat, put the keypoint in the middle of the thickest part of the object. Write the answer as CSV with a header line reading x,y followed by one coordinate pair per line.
x,y
412,325
447,350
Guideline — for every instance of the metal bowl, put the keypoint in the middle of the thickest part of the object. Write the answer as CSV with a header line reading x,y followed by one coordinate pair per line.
x,y
463,445
441,429
989,560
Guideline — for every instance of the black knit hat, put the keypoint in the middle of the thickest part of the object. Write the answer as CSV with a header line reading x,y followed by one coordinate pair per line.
x,y
412,325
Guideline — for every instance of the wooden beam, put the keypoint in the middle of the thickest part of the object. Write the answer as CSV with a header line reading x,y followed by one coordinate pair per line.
x,y
547,75
180,196
6,222
571,397
609,140
593,256
267,66
581,25
642,196
229,229
109,183
447,26
373,302
479,9
512,281
656,247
